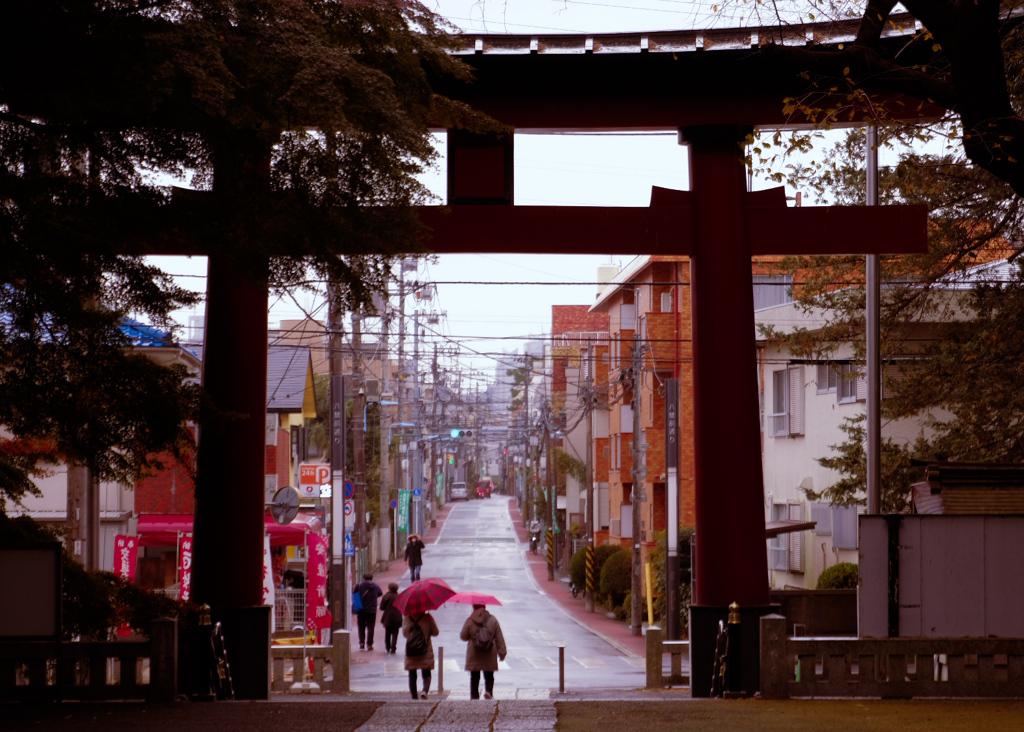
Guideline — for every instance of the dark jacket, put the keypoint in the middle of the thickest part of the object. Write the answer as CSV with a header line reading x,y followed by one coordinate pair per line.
x,y
414,552
390,617
475,660
368,593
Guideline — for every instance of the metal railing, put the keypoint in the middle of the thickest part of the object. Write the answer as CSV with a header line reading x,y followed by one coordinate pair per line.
x,y
289,609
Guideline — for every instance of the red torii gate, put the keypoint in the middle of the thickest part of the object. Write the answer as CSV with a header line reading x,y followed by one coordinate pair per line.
x,y
720,95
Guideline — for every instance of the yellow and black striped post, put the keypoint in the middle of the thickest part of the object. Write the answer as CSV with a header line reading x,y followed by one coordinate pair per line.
x,y
590,569
551,548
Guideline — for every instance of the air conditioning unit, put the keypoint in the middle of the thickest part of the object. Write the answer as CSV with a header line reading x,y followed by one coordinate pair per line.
x,y
371,388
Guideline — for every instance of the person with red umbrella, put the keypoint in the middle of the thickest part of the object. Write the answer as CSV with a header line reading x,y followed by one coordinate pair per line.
x,y
419,627
485,644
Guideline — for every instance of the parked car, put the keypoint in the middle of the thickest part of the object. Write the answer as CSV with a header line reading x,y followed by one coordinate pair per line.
x,y
459,492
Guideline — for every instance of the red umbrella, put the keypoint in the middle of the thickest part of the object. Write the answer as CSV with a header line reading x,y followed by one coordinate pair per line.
x,y
428,594
473,598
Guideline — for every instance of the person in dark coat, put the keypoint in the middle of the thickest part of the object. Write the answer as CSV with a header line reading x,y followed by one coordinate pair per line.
x,y
425,663
368,591
390,618
414,555
480,661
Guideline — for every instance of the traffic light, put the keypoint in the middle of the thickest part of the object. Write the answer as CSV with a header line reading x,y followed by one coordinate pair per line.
x,y
451,458
456,433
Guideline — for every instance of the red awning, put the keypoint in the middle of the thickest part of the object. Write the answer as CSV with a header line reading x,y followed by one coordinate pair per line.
x,y
161,529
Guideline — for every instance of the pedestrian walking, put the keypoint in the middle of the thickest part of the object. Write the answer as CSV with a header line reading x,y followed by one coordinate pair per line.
x,y
368,592
414,555
485,646
418,629
390,618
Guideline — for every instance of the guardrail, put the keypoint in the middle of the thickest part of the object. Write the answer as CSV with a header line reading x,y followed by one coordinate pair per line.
x,y
92,670
888,667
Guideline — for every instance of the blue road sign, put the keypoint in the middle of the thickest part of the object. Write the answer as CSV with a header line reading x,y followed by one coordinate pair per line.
x,y
349,489
417,492
394,504
350,549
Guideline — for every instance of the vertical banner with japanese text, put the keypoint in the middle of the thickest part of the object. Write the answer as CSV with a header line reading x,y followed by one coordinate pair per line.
x,y
185,568
318,616
268,573
126,552
402,520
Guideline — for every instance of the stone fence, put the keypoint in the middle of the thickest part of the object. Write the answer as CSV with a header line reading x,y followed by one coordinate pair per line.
x,y
92,671
888,667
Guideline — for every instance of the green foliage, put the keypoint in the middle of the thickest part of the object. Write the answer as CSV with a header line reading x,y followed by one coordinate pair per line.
x,y
301,129
842,576
851,462
657,557
601,555
952,357
570,465
578,568
616,574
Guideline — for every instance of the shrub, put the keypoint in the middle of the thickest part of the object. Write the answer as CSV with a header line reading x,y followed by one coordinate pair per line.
x,y
578,568
842,576
616,574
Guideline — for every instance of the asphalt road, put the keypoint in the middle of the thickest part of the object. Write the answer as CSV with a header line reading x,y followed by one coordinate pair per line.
x,y
477,550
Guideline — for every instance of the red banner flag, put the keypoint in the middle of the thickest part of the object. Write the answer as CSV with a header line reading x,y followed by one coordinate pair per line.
x,y
126,552
318,616
185,568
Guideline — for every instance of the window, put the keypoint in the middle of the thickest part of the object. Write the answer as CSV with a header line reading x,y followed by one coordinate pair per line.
x,y
771,290
778,546
821,515
796,539
828,379
848,378
788,402
780,404
844,527
666,302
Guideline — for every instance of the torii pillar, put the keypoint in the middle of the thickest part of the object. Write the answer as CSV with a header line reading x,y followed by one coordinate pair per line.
x,y
731,556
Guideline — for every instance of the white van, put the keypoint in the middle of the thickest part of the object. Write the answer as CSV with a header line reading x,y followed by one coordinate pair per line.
x,y
459,492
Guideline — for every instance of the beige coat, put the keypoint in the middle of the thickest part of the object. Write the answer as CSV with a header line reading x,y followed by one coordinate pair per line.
x,y
429,627
475,660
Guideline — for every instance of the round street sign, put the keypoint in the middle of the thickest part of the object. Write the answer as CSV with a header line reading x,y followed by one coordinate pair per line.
x,y
417,492
349,489
350,508
394,504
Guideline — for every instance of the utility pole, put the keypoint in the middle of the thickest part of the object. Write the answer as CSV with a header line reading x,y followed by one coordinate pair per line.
x,y
588,391
672,508
639,474
358,437
526,411
339,429
549,476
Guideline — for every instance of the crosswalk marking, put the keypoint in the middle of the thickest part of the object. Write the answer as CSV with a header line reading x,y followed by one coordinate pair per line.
x,y
590,661
453,666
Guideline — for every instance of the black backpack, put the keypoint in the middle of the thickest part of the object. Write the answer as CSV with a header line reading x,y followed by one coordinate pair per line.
x,y
483,641
416,643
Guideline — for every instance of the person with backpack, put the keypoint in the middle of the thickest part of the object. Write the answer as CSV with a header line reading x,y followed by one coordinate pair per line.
x,y
485,646
390,618
368,592
418,629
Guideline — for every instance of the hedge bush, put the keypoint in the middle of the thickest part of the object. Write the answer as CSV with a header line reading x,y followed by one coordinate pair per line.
x,y
578,568
616,574
842,576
